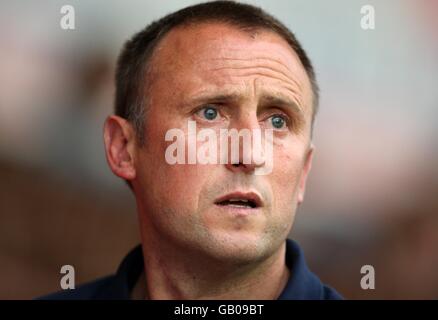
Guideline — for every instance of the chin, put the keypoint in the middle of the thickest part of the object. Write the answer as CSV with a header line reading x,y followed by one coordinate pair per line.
x,y
238,248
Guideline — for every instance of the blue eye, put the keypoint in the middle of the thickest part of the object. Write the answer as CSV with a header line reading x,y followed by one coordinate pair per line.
x,y
209,113
278,121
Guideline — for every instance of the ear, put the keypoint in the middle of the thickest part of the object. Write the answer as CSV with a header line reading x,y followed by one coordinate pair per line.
x,y
119,138
306,170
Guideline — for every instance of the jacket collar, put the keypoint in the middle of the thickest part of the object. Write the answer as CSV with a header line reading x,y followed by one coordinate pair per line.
x,y
302,283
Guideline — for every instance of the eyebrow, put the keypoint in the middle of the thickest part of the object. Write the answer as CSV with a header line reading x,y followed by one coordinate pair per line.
x,y
283,101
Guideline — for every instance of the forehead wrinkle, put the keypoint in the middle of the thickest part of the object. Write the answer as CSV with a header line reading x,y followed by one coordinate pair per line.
x,y
283,69
215,96
296,96
296,93
262,71
293,84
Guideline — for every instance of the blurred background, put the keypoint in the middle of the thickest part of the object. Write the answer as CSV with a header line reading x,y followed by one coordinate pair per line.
x,y
372,196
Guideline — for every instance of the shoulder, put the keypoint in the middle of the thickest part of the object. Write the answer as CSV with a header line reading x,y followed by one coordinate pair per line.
x,y
303,284
117,286
330,294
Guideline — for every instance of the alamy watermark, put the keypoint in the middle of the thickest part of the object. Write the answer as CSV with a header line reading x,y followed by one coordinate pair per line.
x,y
368,20
68,280
368,281
207,146
67,21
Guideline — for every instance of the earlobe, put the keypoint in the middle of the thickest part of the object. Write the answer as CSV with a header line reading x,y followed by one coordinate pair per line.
x,y
305,173
119,140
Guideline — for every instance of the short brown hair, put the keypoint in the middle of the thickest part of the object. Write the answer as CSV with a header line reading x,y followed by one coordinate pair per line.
x,y
132,65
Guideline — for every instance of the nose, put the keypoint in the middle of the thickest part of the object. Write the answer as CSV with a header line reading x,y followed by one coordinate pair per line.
x,y
242,139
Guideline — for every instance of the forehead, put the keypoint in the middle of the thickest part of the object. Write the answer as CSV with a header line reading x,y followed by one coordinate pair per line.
x,y
217,54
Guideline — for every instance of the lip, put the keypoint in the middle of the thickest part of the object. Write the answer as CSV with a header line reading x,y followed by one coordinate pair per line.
x,y
250,196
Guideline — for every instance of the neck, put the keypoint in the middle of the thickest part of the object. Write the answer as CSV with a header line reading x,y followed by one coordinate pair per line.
x,y
176,273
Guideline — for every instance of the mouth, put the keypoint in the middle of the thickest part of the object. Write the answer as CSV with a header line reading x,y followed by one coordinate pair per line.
x,y
241,200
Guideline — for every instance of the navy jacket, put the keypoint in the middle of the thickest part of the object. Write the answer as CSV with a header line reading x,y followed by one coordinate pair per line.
x,y
302,283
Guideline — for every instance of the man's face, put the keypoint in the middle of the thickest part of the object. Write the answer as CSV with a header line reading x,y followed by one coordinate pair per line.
x,y
224,78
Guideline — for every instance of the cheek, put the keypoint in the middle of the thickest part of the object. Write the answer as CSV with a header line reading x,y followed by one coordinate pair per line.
x,y
288,165
170,185
173,186
182,187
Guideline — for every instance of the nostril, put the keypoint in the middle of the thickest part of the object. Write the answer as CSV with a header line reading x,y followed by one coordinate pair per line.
x,y
238,164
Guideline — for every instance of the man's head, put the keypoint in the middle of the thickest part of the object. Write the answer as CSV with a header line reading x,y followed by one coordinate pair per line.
x,y
223,65
134,63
